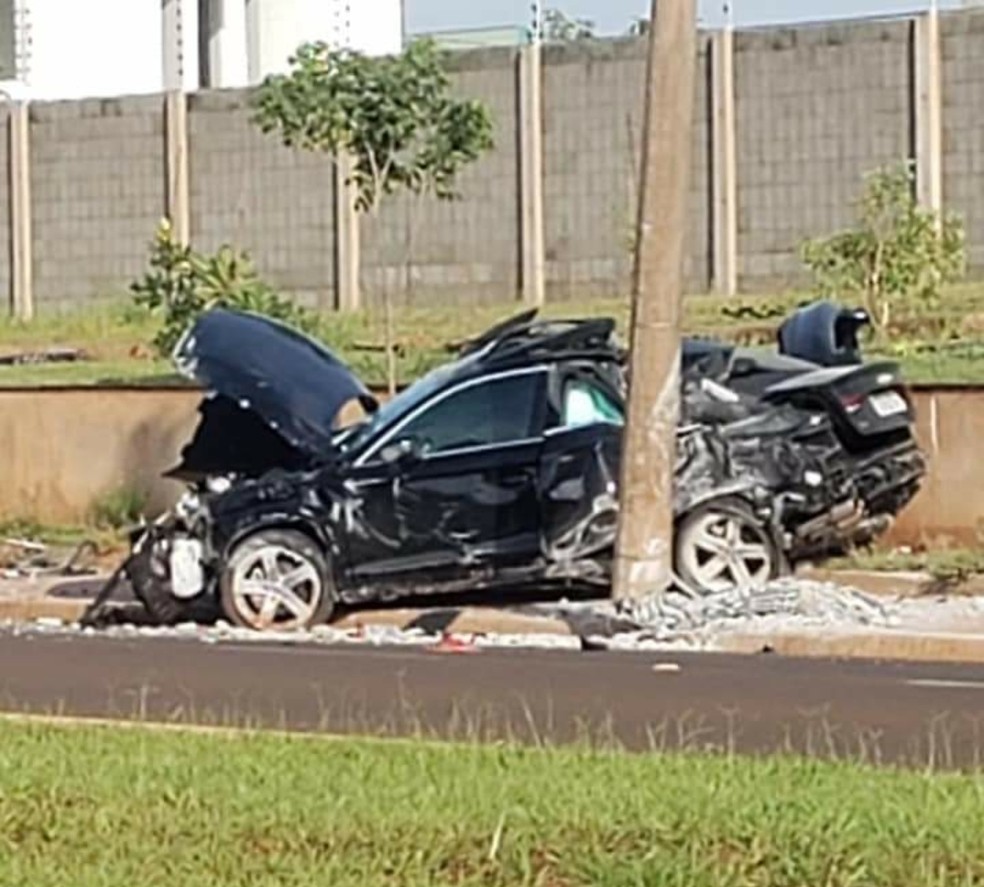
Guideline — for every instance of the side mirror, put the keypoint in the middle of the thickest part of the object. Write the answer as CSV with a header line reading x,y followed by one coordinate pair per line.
x,y
403,452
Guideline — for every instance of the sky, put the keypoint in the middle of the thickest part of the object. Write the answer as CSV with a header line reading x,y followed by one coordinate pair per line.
x,y
615,16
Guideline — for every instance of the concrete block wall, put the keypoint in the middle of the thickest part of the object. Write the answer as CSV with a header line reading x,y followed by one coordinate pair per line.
x,y
817,108
593,108
97,191
963,125
246,189
427,251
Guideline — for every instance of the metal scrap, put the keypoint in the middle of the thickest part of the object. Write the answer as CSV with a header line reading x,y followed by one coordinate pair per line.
x,y
36,560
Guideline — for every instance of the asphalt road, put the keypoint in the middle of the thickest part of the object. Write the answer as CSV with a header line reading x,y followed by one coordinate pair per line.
x,y
883,712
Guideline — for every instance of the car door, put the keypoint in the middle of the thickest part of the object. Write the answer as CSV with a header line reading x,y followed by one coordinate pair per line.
x,y
467,505
578,478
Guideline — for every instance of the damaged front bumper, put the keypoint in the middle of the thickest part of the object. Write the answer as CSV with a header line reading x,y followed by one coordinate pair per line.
x,y
169,566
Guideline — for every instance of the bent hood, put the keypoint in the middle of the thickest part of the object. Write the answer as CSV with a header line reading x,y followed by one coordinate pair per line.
x,y
292,383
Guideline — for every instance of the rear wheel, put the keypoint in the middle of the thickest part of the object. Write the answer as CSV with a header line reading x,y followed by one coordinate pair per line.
x,y
722,546
276,580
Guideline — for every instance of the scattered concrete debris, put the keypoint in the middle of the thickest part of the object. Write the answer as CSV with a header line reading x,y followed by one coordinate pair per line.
x,y
321,635
694,620
809,601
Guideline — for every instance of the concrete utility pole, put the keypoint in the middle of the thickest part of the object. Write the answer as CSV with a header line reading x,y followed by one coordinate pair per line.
x,y
644,551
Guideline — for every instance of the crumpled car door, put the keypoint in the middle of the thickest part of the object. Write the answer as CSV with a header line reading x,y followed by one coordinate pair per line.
x,y
578,486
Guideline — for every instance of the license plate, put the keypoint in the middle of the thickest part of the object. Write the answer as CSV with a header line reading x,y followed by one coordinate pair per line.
x,y
187,575
888,403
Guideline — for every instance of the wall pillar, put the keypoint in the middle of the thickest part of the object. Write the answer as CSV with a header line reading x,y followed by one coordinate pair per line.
x,y
347,259
724,165
531,173
929,110
176,158
22,260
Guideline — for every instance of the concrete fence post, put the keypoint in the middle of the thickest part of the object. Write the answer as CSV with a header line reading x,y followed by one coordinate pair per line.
x,y
928,109
724,165
22,261
178,187
348,296
531,173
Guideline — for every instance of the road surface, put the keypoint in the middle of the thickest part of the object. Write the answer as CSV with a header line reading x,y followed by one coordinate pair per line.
x,y
884,712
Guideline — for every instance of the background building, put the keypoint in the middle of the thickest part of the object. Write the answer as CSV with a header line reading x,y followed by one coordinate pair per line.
x,y
66,49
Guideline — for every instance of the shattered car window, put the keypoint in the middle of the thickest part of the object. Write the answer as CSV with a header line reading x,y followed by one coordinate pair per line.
x,y
494,412
585,404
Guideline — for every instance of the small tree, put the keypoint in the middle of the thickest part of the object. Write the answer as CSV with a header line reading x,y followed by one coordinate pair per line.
x,y
558,27
393,116
898,255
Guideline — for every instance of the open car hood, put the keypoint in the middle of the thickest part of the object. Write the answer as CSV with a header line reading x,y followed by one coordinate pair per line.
x,y
292,384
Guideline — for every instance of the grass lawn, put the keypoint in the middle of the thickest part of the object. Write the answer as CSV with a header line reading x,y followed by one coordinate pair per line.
x,y
97,806
117,337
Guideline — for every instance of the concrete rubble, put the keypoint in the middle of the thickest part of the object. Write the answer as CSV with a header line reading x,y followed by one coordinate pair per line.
x,y
696,620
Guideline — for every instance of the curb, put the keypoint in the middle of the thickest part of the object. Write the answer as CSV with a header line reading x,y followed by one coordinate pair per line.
x,y
879,584
31,609
935,647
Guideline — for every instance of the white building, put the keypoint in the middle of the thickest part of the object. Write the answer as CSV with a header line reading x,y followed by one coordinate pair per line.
x,y
67,49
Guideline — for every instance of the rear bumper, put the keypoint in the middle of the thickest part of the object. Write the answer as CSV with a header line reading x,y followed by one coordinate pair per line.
x,y
887,480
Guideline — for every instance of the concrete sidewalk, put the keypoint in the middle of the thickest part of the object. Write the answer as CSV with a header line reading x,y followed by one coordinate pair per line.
x,y
940,629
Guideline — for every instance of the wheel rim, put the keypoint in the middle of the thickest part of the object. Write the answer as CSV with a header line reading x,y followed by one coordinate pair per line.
x,y
722,551
274,587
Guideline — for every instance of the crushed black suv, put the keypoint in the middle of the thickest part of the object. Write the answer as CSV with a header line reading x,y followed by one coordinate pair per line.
x,y
498,470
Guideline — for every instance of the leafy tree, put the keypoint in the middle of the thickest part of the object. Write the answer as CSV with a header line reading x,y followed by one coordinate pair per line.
x,y
395,117
898,254
182,284
558,27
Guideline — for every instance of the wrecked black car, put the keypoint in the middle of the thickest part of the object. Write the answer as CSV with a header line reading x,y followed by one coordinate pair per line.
x,y
498,470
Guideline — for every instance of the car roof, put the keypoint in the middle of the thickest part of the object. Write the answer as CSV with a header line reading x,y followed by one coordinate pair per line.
x,y
524,340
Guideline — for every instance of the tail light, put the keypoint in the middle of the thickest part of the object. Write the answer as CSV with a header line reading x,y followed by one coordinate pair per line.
x,y
852,402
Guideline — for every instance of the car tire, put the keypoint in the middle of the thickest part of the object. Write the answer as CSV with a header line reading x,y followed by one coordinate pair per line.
x,y
276,580
723,546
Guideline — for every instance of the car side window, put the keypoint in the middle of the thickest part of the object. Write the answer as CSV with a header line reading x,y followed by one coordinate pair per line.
x,y
493,412
587,404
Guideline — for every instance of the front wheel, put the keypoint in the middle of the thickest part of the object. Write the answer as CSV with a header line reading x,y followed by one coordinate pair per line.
x,y
722,546
276,580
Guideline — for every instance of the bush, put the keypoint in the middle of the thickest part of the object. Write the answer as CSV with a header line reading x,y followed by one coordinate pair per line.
x,y
118,509
898,255
182,284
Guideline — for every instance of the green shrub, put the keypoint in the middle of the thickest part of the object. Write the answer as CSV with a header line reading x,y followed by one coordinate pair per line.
x,y
899,254
118,509
182,284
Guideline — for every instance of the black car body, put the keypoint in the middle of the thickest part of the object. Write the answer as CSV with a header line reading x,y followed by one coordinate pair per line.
x,y
499,469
